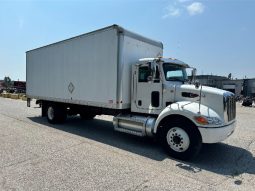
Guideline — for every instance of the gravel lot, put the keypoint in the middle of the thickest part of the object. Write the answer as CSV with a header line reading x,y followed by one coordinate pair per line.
x,y
90,155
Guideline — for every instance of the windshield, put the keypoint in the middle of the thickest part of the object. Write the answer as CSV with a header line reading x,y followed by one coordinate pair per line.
x,y
174,72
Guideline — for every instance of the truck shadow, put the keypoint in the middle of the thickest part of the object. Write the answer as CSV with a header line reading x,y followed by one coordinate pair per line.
x,y
102,131
222,159
219,158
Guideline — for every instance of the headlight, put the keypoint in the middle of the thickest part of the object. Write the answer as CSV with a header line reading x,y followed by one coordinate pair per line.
x,y
204,120
214,121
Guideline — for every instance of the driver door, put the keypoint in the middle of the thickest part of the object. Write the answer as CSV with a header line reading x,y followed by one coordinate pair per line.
x,y
148,89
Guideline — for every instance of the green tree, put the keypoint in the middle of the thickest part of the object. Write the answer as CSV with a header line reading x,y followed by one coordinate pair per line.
x,y
7,82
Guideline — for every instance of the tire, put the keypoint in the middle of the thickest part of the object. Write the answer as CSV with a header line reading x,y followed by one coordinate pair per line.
x,y
56,114
87,116
180,138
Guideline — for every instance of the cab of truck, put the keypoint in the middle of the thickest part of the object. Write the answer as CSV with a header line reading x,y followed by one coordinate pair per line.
x,y
154,83
186,114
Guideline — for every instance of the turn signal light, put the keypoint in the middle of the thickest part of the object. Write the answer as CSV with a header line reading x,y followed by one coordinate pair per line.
x,y
201,120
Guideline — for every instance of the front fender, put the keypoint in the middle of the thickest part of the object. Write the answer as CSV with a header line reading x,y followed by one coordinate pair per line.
x,y
186,109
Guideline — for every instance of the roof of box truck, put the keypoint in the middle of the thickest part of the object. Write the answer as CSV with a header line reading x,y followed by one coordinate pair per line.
x,y
117,27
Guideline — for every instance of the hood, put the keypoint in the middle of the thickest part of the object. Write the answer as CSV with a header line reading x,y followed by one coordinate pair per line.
x,y
211,97
205,89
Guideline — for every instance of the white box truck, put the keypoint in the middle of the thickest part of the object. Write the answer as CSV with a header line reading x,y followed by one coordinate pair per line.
x,y
116,72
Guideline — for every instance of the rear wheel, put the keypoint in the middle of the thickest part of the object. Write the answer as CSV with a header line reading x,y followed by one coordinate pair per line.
x,y
180,138
55,114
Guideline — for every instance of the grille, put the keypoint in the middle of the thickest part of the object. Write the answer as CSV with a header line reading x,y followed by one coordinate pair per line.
x,y
230,106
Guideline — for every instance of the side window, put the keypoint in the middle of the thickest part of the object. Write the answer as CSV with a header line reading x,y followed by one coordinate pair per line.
x,y
144,72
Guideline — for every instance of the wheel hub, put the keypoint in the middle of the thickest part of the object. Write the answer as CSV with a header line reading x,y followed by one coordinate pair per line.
x,y
178,139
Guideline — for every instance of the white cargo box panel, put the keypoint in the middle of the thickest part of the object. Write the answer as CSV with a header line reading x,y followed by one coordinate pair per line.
x,y
91,69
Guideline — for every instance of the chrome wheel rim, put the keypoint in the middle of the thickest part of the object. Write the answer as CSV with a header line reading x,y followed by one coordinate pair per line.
x,y
50,113
178,139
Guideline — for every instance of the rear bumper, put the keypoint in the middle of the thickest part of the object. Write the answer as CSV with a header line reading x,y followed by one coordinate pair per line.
x,y
217,134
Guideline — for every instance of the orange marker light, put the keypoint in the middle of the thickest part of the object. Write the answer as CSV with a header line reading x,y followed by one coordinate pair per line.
x,y
201,120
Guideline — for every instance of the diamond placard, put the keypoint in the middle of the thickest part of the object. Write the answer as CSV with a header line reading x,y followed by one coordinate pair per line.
x,y
71,87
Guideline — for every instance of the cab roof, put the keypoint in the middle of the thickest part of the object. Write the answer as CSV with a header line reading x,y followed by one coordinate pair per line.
x,y
167,60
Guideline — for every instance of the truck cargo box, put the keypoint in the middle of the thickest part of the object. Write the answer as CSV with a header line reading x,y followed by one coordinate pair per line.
x,y
91,69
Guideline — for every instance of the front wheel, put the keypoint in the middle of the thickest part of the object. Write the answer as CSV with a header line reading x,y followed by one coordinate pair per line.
x,y
181,139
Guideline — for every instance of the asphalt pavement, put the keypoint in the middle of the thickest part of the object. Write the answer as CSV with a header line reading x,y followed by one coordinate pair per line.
x,y
90,155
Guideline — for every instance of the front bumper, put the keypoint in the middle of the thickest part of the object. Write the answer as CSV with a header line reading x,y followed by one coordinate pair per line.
x,y
216,134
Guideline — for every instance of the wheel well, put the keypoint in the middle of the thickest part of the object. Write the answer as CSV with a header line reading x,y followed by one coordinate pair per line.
x,y
170,118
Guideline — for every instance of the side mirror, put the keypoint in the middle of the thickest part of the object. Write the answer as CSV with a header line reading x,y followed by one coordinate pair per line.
x,y
194,72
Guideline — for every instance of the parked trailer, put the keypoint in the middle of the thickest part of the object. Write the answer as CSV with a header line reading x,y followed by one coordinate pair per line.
x,y
117,72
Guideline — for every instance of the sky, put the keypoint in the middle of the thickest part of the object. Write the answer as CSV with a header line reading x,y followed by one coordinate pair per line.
x,y
215,36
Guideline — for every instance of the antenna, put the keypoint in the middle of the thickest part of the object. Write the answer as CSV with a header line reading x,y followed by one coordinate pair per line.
x,y
200,98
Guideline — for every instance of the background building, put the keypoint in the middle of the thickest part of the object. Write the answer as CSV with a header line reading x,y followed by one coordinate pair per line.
x,y
249,87
13,86
19,86
222,82
211,80
234,86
